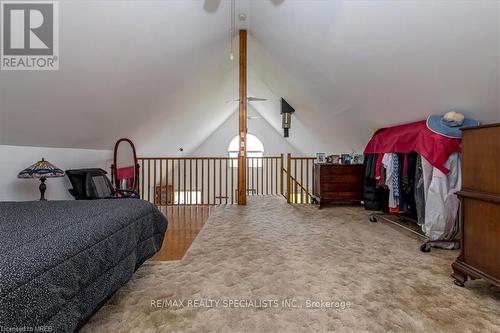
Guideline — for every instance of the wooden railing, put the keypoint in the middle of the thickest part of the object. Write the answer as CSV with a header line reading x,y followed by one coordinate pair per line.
x,y
300,179
169,181
265,175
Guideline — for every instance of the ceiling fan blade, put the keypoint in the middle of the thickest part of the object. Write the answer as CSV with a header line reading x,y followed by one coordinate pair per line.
x,y
256,99
250,99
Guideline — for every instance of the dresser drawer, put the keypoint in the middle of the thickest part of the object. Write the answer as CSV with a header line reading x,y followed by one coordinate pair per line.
x,y
480,162
341,187
333,170
481,235
342,178
339,197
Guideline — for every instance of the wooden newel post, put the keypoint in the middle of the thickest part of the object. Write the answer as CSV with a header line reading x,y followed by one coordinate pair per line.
x,y
242,154
281,174
289,178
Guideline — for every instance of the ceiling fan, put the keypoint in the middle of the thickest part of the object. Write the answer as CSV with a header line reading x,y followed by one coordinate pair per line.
x,y
249,99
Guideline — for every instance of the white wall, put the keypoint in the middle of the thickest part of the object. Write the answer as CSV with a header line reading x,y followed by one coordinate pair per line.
x,y
16,158
274,142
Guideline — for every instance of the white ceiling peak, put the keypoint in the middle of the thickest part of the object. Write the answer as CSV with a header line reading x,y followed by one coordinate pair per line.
x,y
159,71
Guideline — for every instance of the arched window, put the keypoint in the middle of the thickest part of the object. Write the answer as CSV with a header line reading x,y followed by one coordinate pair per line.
x,y
255,148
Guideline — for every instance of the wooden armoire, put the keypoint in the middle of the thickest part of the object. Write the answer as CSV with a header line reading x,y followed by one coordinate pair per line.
x,y
480,206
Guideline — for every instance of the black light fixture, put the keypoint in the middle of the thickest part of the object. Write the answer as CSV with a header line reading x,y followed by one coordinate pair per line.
x,y
286,116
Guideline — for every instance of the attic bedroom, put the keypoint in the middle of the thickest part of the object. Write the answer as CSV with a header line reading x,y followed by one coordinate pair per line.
x,y
249,166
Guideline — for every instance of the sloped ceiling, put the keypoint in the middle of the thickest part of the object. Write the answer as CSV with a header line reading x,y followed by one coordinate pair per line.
x,y
159,71
350,67
127,68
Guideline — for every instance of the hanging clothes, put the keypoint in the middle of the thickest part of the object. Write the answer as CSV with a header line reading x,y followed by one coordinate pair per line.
x,y
370,196
427,172
419,171
407,202
441,203
374,196
419,191
395,175
414,137
391,176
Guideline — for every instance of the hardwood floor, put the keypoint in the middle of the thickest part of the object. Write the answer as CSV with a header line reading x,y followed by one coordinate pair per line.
x,y
184,224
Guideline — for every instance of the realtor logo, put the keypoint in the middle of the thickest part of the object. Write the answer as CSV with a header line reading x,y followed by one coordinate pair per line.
x,y
29,35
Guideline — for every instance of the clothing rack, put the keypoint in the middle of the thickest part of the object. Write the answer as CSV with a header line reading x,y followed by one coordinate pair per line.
x,y
426,244
395,183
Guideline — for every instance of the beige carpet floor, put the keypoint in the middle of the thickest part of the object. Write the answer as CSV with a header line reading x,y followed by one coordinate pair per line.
x,y
256,256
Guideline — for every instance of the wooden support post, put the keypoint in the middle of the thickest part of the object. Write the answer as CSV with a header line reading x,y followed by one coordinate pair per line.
x,y
289,178
242,155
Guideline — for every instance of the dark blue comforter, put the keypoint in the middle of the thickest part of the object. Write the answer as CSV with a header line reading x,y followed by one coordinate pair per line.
x,y
61,260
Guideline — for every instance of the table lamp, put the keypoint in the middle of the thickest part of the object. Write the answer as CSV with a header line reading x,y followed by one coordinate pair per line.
x,y
41,170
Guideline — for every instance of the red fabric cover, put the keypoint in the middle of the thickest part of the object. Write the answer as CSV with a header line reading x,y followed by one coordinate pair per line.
x,y
415,137
125,173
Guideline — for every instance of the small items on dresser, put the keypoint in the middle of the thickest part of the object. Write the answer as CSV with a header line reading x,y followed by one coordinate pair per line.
x,y
321,158
340,159
480,206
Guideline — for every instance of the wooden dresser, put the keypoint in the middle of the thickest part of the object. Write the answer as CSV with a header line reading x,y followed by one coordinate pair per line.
x,y
337,183
480,206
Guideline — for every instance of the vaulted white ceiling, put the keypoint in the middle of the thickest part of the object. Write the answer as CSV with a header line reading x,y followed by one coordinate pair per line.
x,y
127,68
350,67
159,71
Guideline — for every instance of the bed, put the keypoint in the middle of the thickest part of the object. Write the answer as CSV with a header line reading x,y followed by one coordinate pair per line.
x,y
61,260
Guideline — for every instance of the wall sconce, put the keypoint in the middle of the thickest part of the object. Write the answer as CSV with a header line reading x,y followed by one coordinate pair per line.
x,y
286,116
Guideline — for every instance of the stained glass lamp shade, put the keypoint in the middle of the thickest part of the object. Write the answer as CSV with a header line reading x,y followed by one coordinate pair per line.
x,y
42,170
